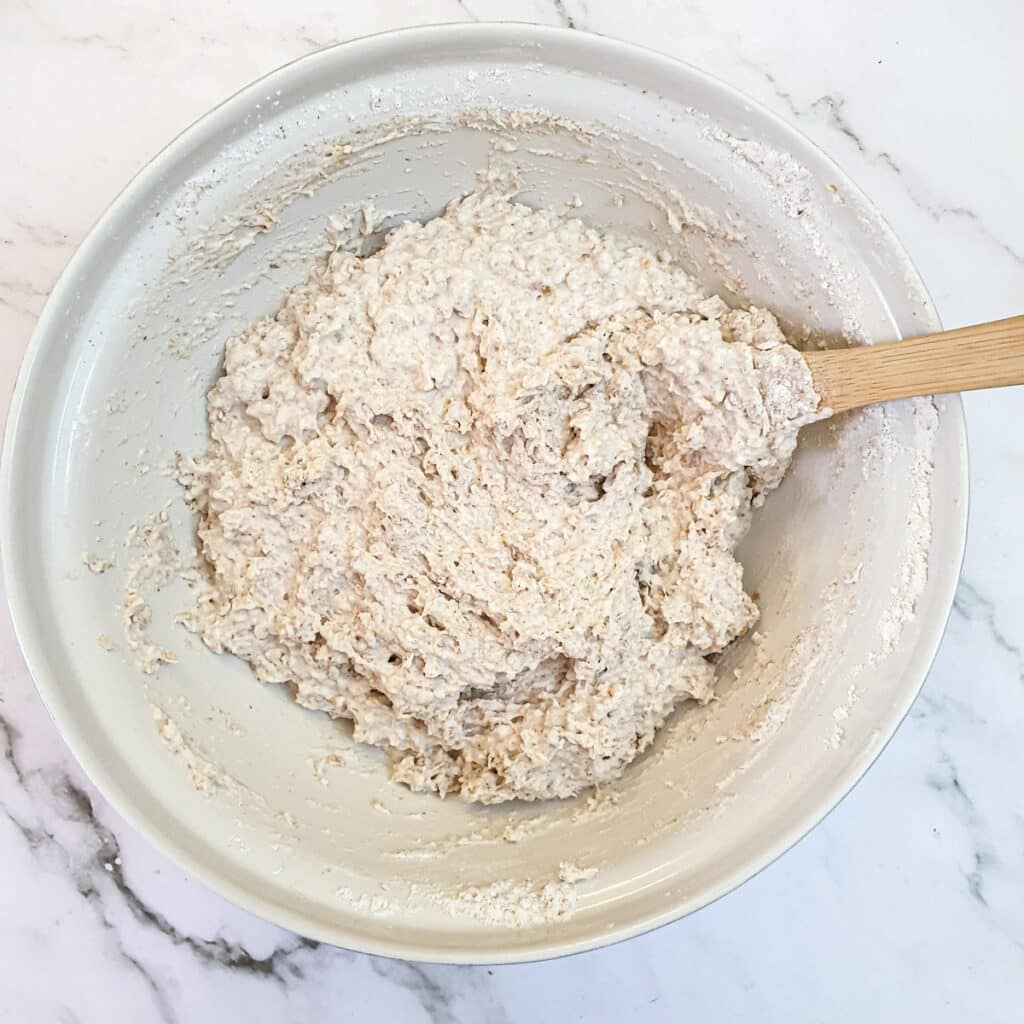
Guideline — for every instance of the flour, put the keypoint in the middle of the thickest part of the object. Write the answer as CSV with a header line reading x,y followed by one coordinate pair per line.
x,y
865,440
512,830
205,774
154,561
510,903
913,571
320,760
96,564
789,187
505,904
518,827
209,777
378,905
570,871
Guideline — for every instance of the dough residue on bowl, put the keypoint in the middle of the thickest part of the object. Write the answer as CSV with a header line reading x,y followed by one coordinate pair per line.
x,y
153,562
479,493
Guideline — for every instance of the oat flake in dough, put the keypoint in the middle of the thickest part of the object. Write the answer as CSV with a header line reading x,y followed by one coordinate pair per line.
x,y
480,492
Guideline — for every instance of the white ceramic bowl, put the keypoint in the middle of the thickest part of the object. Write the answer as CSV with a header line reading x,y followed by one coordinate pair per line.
x,y
855,558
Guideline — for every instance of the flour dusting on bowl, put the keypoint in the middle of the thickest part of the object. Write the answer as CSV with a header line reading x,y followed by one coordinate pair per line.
x,y
853,593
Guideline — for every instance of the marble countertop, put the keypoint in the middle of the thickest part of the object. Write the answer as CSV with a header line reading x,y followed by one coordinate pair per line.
x,y
907,903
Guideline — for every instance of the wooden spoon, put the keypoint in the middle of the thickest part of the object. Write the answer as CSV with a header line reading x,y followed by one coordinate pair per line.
x,y
983,356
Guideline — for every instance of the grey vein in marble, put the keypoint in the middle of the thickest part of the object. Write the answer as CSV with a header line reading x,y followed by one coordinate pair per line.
x,y
563,15
433,987
436,988
42,235
96,39
22,297
436,1002
56,790
829,109
973,606
946,781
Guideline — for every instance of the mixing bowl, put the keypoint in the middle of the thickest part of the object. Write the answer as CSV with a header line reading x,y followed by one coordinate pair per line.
x,y
853,561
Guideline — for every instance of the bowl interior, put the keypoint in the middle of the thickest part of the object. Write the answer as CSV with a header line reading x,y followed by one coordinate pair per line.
x,y
854,558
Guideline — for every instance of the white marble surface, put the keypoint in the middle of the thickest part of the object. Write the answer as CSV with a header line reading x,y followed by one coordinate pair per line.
x,y
908,902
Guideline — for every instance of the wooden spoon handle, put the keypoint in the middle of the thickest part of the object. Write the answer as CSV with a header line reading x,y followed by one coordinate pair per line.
x,y
983,356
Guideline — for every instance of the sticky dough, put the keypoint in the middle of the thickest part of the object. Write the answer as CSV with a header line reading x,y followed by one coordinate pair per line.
x,y
479,493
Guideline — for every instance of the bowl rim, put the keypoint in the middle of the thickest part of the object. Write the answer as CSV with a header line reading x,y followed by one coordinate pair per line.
x,y
32,640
